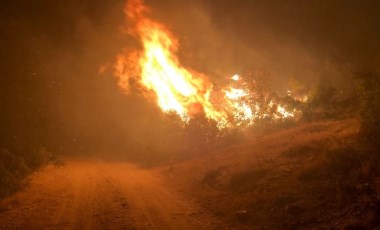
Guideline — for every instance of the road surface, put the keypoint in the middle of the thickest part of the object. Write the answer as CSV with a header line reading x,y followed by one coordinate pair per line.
x,y
86,194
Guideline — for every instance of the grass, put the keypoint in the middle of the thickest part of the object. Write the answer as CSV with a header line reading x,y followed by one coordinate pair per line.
x,y
247,180
313,175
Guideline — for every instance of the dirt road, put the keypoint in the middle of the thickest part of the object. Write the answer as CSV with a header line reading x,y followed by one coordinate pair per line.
x,y
100,195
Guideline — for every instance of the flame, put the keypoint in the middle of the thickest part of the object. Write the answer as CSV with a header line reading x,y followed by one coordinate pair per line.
x,y
283,112
176,88
236,77
159,73
235,94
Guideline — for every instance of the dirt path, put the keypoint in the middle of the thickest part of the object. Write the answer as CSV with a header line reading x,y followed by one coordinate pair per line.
x,y
100,195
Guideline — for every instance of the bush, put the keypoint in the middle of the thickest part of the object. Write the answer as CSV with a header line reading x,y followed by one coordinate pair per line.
x,y
322,104
15,166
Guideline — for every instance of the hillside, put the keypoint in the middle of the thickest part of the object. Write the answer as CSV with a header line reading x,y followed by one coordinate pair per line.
x,y
309,176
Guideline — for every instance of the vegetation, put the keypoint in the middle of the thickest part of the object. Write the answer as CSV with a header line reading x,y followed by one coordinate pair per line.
x,y
281,179
15,166
323,172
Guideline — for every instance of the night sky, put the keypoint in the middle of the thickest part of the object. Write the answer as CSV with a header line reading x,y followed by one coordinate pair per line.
x,y
51,51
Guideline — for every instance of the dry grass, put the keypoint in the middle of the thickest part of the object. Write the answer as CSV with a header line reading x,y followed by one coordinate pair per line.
x,y
301,177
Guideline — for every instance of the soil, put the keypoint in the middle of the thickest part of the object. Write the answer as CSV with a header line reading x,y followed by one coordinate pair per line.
x,y
88,194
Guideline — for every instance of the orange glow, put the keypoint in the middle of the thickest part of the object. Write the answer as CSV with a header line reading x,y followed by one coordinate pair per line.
x,y
235,77
159,73
176,88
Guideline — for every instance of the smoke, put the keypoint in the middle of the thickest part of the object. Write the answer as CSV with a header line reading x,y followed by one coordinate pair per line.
x,y
53,51
313,41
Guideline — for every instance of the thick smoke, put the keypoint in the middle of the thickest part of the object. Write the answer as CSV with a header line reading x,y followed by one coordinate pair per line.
x,y
52,53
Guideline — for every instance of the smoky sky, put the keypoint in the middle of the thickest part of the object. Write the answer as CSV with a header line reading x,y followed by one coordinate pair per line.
x,y
311,40
51,52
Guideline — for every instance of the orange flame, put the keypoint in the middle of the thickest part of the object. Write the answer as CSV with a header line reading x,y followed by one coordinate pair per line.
x,y
157,70
177,89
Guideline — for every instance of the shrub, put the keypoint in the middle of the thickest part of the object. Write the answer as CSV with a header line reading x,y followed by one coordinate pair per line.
x,y
322,104
14,166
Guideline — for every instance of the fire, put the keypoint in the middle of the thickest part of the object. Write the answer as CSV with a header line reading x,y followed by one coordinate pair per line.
x,y
176,88
236,77
235,100
158,71
234,94
283,113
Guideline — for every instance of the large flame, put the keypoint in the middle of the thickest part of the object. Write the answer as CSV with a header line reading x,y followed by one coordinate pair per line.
x,y
175,88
